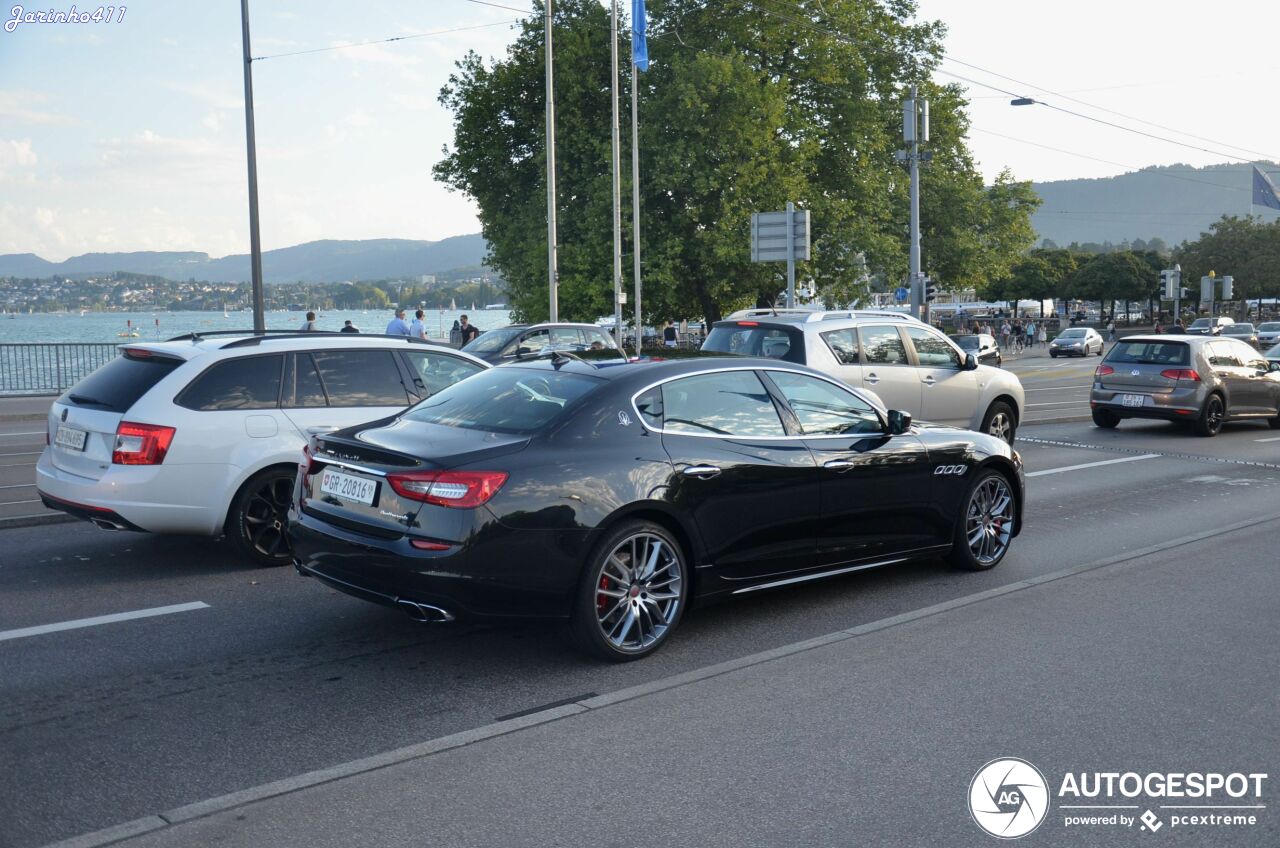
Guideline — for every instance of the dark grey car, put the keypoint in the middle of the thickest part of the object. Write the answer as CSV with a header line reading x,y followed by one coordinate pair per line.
x,y
1203,381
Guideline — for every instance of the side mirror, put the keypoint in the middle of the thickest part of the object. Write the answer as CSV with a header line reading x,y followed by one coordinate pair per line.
x,y
899,421
970,364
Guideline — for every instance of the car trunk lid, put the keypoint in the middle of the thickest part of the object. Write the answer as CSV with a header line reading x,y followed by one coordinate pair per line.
x,y
1145,366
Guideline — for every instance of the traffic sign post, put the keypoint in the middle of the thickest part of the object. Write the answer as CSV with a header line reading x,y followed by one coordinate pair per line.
x,y
781,237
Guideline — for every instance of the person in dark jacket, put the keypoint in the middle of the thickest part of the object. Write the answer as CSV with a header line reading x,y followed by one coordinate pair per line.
x,y
348,327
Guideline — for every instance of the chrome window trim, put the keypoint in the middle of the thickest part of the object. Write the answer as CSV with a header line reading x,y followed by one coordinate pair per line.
x,y
766,369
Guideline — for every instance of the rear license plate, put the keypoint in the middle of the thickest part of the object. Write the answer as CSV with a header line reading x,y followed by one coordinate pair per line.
x,y
1132,400
349,488
70,438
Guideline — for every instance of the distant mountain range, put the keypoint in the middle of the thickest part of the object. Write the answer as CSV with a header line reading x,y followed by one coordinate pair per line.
x,y
1175,202
324,261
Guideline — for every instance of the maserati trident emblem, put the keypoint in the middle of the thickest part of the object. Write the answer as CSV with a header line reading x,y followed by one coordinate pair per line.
x,y
624,419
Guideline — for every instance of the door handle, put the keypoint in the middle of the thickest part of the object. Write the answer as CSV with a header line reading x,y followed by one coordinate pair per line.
x,y
838,464
928,380
702,472
871,378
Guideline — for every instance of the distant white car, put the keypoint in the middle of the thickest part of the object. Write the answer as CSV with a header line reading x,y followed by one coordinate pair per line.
x,y
1268,333
204,435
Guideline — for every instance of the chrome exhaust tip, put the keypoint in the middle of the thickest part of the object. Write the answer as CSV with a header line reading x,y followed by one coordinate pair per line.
x,y
425,613
107,525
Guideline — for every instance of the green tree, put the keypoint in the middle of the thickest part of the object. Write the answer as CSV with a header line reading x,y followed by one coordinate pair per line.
x,y
1041,275
744,108
1108,277
1246,248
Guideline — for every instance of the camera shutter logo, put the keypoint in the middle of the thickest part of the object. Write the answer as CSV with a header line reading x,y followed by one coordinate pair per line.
x,y
1008,798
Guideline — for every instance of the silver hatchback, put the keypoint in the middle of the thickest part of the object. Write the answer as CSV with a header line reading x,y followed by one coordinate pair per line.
x,y
1203,381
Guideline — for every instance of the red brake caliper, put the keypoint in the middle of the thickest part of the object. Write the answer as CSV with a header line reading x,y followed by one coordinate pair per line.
x,y
602,599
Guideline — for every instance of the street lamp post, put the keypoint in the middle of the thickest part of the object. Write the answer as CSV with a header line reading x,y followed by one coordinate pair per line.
x,y
255,242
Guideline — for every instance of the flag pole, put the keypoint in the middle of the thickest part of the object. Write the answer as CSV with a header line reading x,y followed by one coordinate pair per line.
x,y
552,272
635,205
617,184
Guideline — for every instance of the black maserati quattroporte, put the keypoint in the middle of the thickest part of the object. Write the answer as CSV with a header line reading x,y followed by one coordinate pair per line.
x,y
615,494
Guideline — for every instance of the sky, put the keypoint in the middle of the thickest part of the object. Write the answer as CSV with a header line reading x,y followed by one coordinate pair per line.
x,y
129,134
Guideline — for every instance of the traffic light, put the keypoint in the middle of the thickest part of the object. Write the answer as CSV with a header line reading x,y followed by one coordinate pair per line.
x,y
1167,284
930,290
1228,284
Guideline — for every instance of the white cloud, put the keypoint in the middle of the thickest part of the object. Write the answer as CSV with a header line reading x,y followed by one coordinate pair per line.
x,y
212,121
215,97
375,54
19,106
16,160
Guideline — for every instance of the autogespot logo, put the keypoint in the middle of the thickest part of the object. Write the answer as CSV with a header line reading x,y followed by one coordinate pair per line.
x,y
1008,798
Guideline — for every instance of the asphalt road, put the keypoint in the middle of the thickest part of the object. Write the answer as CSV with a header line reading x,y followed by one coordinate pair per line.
x,y
278,675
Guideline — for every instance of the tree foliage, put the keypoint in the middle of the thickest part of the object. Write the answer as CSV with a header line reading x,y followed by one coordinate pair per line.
x,y
746,105
1246,248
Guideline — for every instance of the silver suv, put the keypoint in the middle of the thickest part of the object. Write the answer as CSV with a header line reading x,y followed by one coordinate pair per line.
x,y
910,365
1200,380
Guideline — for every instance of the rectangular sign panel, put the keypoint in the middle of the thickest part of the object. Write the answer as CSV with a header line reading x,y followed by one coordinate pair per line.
x,y
769,236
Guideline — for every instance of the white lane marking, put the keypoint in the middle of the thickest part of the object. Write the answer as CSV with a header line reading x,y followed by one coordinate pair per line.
x,y
1058,402
27,453
19,486
1272,439
1055,389
1094,464
99,619
11,503
36,433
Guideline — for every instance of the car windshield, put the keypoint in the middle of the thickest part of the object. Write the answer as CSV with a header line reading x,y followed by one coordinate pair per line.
x,y
492,341
746,338
966,342
1072,334
1150,353
1200,322
506,399
1238,329
1269,327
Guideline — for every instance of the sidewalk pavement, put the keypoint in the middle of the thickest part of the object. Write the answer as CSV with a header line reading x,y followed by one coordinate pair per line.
x,y
1162,660
25,408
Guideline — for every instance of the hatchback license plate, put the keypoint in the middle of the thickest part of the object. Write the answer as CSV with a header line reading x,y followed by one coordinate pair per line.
x,y
70,438
349,488
1132,400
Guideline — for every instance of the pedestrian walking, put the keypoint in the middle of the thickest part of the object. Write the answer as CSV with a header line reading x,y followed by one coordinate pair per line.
x,y
348,327
1031,335
309,325
1111,330
1042,336
417,328
668,335
468,331
397,326
1004,334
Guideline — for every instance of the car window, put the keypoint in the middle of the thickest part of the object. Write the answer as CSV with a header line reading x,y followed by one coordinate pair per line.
x,y
931,349
594,336
361,378
438,370
308,391
824,409
727,403
749,339
1150,353
534,341
118,384
649,405
248,382
492,341
1222,355
508,399
843,344
882,345
565,336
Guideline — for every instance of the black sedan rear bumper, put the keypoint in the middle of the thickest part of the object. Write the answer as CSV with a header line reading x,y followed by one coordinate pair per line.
x,y
498,572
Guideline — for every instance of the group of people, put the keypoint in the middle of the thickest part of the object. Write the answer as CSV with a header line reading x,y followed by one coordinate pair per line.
x,y
1015,334
463,331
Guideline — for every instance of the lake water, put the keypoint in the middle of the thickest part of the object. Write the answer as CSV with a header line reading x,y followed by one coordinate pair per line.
x,y
106,326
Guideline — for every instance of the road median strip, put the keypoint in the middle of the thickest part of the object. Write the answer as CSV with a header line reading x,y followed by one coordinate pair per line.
x,y
223,803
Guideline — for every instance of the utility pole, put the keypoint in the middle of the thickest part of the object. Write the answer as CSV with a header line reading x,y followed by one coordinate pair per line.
x,y
791,253
635,200
553,282
915,129
617,182
255,242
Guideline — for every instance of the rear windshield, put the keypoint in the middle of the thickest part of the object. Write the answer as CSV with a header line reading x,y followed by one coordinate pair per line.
x,y
492,341
1200,322
117,385
1151,353
509,399
1241,329
745,340
1269,327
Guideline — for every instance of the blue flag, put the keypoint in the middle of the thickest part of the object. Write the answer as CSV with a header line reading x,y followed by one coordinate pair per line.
x,y
639,44
1264,191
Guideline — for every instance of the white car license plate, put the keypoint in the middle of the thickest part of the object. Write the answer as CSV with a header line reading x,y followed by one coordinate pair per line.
x,y
70,438
348,487
1132,400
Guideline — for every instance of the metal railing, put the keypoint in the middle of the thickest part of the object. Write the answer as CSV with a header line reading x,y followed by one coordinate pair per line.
x,y
47,368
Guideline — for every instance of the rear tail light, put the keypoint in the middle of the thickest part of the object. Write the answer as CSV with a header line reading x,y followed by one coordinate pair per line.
x,y
458,489
1103,370
748,323
1180,374
141,444
429,545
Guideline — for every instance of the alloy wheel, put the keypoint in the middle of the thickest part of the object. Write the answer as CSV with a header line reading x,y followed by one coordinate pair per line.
x,y
1000,426
989,520
638,591
265,517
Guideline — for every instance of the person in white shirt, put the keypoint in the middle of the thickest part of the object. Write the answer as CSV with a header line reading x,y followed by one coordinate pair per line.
x,y
417,328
